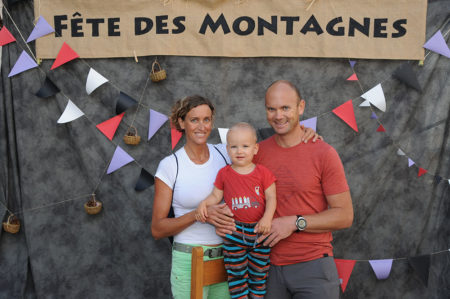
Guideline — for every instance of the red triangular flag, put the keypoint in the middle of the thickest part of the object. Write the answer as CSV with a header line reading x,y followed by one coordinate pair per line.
x,y
176,135
344,269
109,127
421,171
352,78
346,113
65,54
381,129
6,37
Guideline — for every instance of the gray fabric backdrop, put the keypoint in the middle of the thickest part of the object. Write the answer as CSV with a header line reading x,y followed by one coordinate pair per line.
x,y
61,252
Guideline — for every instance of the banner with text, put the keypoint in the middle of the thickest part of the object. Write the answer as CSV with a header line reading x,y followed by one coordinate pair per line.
x,y
382,29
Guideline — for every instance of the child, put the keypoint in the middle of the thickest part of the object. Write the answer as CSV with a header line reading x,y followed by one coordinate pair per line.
x,y
249,191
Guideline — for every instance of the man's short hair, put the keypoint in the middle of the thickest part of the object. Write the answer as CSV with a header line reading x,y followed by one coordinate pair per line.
x,y
290,84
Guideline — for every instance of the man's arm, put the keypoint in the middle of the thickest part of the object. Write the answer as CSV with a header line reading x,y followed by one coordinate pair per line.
x,y
339,215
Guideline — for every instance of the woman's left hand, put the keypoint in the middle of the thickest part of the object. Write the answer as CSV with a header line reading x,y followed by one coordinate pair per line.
x,y
310,133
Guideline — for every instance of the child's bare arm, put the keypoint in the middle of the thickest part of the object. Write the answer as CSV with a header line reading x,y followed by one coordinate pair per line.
x,y
214,198
265,222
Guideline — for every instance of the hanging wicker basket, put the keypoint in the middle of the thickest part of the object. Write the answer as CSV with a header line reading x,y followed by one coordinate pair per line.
x,y
157,75
12,225
131,137
93,206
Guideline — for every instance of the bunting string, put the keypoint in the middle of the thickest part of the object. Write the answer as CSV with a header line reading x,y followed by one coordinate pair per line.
x,y
402,258
145,106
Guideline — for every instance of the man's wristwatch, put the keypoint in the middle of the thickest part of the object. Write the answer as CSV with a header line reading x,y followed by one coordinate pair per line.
x,y
300,223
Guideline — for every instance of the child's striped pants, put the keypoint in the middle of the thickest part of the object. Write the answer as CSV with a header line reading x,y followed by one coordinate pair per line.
x,y
247,263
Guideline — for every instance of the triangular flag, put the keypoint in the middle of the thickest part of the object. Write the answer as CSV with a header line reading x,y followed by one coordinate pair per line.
x,y
24,63
375,96
406,74
156,121
400,152
381,128
145,180
6,37
352,78
344,269
71,113
382,268
373,116
437,179
352,63
346,113
119,159
42,28
223,135
109,127
437,44
421,264
12,2
47,89
410,162
421,172
176,136
310,123
94,80
124,103
65,54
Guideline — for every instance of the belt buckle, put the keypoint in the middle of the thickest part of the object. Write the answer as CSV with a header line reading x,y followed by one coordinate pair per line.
x,y
214,252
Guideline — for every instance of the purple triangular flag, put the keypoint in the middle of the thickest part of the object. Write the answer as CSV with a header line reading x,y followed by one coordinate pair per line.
x,y
382,268
119,159
156,121
310,123
410,162
42,28
373,116
24,63
352,63
437,44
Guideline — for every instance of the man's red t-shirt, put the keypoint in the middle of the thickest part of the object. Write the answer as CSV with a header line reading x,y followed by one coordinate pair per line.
x,y
244,193
305,174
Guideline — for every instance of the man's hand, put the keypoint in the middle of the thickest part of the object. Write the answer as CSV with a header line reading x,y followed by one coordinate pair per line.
x,y
222,218
282,228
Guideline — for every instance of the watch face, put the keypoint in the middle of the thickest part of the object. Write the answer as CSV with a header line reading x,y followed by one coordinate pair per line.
x,y
301,223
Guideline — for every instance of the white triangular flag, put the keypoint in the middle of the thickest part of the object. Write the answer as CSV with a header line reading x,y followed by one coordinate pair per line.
x,y
375,96
400,152
223,135
94,80
71,113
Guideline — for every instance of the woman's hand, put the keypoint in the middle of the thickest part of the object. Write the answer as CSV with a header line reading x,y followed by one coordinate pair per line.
x,y
310,133
222,218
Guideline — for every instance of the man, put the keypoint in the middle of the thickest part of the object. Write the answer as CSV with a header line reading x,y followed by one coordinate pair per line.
x,y
313,199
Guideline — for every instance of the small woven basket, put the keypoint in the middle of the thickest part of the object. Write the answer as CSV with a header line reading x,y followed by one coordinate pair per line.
x,y
92,210
157,75
132,138
11,227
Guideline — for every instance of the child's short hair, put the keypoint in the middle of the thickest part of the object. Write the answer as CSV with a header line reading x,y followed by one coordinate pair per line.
x,y
243,125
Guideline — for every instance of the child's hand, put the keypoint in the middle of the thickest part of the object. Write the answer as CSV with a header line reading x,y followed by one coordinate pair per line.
x,y
202,212
263,226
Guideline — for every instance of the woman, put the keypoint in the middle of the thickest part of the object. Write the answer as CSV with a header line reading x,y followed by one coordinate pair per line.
x,y
197,164
182,181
